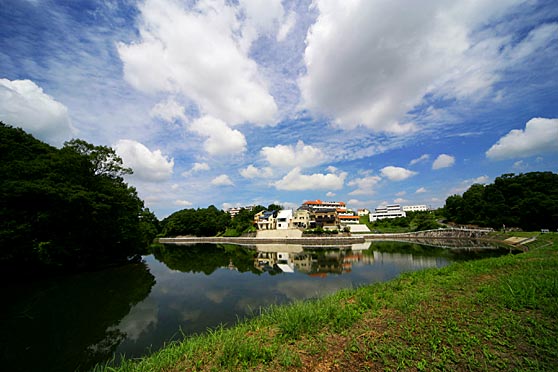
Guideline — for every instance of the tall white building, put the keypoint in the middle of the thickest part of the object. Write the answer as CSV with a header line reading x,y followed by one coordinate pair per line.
x,y
389,211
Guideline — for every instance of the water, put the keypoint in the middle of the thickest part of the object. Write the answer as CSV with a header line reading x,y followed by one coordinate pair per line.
x,y
74,323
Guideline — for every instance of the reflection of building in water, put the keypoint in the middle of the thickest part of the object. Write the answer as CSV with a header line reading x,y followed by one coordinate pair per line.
x,y
287,259
303,262
285,262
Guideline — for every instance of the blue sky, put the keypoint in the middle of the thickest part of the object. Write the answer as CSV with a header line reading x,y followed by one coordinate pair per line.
x,y
255,102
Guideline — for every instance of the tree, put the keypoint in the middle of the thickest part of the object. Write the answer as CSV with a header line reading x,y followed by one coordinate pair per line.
x,y
67,208
528,201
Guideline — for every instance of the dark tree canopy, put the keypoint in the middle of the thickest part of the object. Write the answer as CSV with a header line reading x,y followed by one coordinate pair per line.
x,y
208,221
66,208
528,201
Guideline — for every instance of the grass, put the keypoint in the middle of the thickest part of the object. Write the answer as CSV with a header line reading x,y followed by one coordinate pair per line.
x,y
493,314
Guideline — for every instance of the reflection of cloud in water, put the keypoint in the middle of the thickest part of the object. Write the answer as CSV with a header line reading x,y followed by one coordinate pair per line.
x,y
191,315
139,319
298,290
217,295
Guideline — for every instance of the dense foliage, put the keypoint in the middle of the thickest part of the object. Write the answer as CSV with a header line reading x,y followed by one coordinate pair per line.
x,y
66,208
414,221
209,222
528,201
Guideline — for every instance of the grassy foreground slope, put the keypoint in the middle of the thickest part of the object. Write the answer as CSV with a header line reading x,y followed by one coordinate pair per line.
x,y
493,314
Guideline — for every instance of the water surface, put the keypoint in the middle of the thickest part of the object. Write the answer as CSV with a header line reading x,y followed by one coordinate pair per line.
x,y
73,323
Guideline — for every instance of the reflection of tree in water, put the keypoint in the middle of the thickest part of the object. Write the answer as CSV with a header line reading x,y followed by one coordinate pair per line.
x,y
205,258
466,252
64,324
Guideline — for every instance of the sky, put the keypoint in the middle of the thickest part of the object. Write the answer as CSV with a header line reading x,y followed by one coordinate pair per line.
x,y
243,102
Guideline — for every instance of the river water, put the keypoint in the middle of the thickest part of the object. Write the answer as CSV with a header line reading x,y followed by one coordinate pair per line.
x,y
76,322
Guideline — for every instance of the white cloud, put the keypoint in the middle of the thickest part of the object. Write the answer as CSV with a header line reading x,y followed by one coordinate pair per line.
x,y
420,190
253,172
401,193
397,173
443,161
300,155
330,194
520,165
295,181
400,201
147,165
420,159
540,136
24,104
182,203
202,53
383,61
198,167
222,180
365,185
222,140
168,110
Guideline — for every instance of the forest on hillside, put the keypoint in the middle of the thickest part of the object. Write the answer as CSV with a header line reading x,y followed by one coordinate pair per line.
x,y
68,208
527,201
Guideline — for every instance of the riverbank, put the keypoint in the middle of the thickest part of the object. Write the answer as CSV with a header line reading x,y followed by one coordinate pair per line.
x,y
492,314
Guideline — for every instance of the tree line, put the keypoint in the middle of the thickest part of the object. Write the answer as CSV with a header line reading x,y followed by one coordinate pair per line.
x,y
66,208
527,201
211,221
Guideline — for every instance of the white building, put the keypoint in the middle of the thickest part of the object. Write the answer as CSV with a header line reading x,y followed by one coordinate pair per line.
x,y
415,208
284,219
363,212
389,211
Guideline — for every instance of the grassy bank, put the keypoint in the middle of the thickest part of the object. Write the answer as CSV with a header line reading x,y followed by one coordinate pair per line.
x,y
493,314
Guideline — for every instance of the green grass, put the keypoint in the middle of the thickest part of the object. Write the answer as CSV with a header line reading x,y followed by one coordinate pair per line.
x,y
493,314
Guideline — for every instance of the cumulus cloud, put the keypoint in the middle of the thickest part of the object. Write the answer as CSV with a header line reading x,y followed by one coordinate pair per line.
x,y
222,180
420,159
397,173
443,161
201,50
365,185
420,190
538,137
147,165
381,72
254,172
168,110
198,167
24,104
182,203
296,181
301,155
330,194
221,139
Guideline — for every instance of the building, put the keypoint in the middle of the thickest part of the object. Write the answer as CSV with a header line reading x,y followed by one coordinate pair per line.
x,y
301,219
235,210
285,219
266,220
389,211
415,208
348,219
363,212
326,219
312,205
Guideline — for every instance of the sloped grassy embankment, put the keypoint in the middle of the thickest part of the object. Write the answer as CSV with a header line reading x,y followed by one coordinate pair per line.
x,y
492,314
